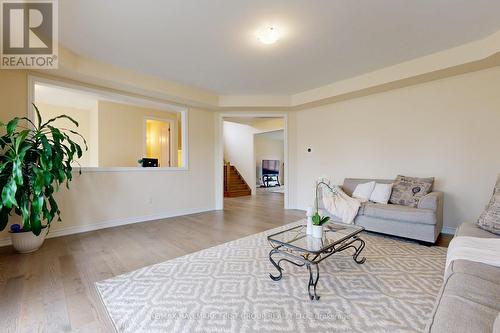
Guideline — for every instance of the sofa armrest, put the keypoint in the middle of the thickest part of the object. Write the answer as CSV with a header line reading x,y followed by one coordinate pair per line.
x,y
431,201
434,201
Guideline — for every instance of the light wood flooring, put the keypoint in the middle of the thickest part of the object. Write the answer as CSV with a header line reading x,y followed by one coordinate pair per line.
x,y
52,290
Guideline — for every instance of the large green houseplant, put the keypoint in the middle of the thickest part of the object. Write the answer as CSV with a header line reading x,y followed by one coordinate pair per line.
x,y
35,159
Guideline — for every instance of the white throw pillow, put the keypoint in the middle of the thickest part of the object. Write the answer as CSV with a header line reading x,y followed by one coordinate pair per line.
x,y
363,191
381,193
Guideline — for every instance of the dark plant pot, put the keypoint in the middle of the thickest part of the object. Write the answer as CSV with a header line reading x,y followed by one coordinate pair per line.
x,y
26,241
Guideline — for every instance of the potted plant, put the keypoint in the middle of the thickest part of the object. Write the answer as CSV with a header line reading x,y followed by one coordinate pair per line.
x,y
317,225
317,221
34,161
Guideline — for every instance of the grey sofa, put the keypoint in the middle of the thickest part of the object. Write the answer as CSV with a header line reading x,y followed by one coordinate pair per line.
x,y
423,223
469,300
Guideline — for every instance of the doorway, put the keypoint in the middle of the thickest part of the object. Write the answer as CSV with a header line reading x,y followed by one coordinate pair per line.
x,y
158,141
237,134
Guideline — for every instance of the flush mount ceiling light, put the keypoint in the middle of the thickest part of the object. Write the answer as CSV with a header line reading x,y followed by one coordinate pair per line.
x,y
268,34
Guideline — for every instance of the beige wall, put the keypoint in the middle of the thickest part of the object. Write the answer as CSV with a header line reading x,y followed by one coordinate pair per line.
x,y
13,93
449,129
121,133
105,198
269,125
82,116
93,140
13,103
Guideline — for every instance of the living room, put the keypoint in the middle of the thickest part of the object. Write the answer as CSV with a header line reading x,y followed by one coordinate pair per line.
x,y
391,128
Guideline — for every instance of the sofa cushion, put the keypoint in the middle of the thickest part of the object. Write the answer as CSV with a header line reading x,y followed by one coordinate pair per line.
x,y
476,300
350,183
381,193
364,191
472,230
398,213
407,191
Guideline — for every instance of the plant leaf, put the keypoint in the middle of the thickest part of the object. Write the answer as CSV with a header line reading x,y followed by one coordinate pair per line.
x,y
36,210
20,139
17,172
9,193
25,212
11,126
325,219
38,182
47,149
60,117
38,116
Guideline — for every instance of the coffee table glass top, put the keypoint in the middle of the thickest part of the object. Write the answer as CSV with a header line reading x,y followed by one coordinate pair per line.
x,y
296,238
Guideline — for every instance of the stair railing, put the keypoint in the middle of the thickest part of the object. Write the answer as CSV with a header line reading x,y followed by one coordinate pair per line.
x,y
227,172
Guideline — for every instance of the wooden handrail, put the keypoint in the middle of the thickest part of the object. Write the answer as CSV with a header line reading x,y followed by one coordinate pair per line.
x,y
227,171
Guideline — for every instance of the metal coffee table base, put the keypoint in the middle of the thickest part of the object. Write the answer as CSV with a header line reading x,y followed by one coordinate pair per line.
x,y
312,260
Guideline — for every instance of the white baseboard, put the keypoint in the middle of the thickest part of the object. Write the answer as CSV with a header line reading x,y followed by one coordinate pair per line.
x,y
448,230
112,223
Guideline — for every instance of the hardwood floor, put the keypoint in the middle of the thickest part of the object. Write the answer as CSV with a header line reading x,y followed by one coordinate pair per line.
x,y
52,290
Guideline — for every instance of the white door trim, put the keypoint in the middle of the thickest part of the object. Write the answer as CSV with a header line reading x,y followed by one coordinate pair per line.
x,y
219,153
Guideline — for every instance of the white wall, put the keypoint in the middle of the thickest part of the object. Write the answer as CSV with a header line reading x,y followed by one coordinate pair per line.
x,y
239,149
267,148
449,129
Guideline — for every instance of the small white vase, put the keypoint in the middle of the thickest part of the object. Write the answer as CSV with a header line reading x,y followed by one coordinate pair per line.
x,y
317,231
27,242
314,244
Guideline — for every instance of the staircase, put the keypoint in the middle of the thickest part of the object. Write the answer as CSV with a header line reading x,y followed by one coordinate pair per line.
x,y
234,184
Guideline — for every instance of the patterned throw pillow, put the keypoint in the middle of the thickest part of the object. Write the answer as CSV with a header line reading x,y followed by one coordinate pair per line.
x,y
490,218
407,191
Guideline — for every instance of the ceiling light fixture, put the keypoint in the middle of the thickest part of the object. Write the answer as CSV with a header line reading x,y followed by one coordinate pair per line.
x,y
268,35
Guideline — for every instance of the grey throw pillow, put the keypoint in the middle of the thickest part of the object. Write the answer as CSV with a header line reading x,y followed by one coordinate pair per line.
x,y
490,218
407,191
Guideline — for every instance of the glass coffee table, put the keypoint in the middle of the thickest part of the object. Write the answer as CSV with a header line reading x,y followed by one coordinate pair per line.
x,y
296,247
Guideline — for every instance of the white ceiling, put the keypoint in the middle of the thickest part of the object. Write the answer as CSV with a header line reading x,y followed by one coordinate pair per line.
x,y
211,44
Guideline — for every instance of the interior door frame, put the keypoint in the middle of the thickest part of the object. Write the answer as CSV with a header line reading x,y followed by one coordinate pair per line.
x,y
219,153
171,143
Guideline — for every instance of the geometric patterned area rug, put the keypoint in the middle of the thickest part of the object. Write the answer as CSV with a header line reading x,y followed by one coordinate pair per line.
x,y
227,288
